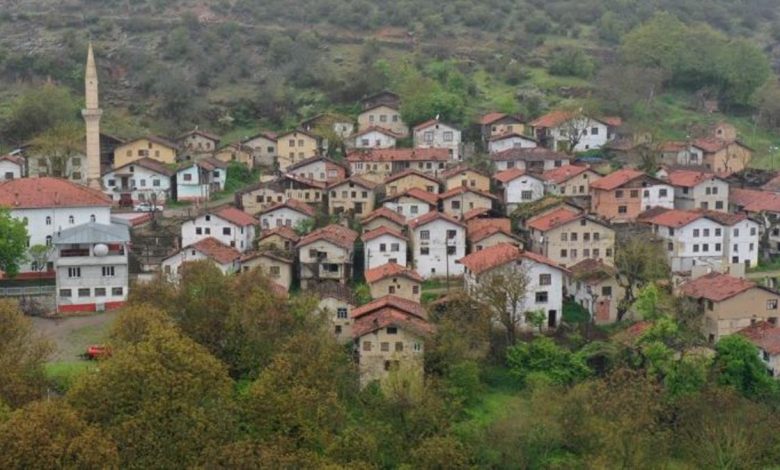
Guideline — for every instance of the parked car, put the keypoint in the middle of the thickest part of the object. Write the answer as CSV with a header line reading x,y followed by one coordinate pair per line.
x,y
147,207
97,351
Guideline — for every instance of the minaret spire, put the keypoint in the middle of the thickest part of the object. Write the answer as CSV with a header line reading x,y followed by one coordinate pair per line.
x,y
91,114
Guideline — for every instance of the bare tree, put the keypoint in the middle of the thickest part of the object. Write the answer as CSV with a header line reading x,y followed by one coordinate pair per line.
x,y
574,129
58,146
639,259
502,292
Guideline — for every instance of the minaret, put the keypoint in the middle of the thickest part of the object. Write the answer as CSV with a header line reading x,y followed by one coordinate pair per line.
x,y
92,114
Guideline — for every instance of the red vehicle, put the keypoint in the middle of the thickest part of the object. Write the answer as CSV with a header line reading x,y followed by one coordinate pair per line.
x,y
97,351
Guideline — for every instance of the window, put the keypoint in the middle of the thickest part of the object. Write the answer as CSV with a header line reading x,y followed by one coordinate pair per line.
x,y
48,240
752,231
717,232
718,204
541,297
706,232
609,252
117,291
425,235
619,193
156,183
596,253
564,253
71,220
586,253
662,192
545,279
456,204
635,193
451,250
696,248
526,195
586,237
415,290
84,292
366,345
395,247
66,293
199,230
225,230
622,210
735,232
391,290
695,232
341,313
670,246
717,247
705,247
382,118
771,304
100,291
399,346
187,177
596,236
564,237
384,346
108,271
594,131
451,234
391,330
413,209
448,136
428,137
573,254
574,236
382,247
424,250
74,272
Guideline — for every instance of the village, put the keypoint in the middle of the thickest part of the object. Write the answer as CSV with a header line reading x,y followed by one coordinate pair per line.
x,y
524,213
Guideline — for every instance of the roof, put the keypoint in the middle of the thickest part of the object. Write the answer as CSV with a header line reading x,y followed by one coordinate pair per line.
x,y
460,169
509,175
528,154
408,306
234,216
391,270
293,204
398,155
478,224
46,191
592,271
379,129
553,219
149,164
355,179
674,218
306,181
284,232
390,316
265,254
216,250
688,178
197,131
764,335
376,233
462,189
752,200
264,134
475,213
558,117
482,233
314,159
490,118
417,193
13,159
431,122
334,290
710,144
334,233
153,138
296,130
430,217
507,135
771,185
411,172
93,232
379,105
499,255
386,213
564,173
617,179
673,146
716,287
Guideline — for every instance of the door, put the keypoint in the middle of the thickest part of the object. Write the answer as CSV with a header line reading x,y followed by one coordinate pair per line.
x,y
552,318
358,208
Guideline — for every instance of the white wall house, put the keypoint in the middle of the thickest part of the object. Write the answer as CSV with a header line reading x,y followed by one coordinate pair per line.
x,y
383,245
138,181
287,214
412,203
228,225
697,190
544,289
199,180
658,195
227,259
514,140
557,127
375,137
519,187
11,167
436,134
438,241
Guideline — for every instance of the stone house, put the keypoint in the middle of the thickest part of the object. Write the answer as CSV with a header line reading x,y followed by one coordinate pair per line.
x,y
761,206
226,258
510,140
567,236
494,123
438,241
198,180
531,160
337,301
197,141
156,148
277,268
11,167
236,152
555,130
394,279
280,239
384,116
354,196
719,156
384,245
264,148
464,176
569,180
378,164
765,336
294,146
461,199
408,179
623,194
290,213
412,203
383,97
326,254
319,168
375,137
486,232
436,134
143,180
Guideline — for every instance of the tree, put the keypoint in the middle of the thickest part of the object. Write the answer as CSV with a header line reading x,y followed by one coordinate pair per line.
x,y
542,356
39,256
623,87
13,243
571,62
22,357
767,100
440,453
738,365
502,292
574,129
37,110
58,145
639,259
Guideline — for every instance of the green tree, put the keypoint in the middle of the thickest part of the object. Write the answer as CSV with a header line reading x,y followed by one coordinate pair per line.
x,y
543,357
37,110
737,364
440,453
639,260
39,256
58,145
13,243
571,62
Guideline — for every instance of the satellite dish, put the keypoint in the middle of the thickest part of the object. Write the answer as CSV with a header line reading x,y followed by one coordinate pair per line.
x,y
101,249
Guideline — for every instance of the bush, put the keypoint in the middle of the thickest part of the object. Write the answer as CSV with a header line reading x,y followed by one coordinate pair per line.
x,y
571,62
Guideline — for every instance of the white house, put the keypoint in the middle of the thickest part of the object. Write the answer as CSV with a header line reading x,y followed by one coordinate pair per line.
x,y
91,267
658,195
697,190
286,214
412,203
383,245
11,167
532,160
519,187
375,137
197,181
436,134
706,238
227,259
512,140
138,181
51,205
558,129
543,278
438,241
230,226
318,168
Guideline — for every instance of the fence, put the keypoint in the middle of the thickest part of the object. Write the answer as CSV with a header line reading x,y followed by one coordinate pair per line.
x,y
27,291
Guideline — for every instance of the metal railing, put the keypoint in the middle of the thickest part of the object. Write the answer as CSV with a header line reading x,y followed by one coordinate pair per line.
x,y
27,291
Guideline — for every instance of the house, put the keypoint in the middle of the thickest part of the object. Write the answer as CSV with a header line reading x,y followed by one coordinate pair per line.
x,y
354,195
71,168
567,236
264,146
543,280
303,189
378,164
383,97
623,194
154,147
510,140
594,286
461,199
143,180
438,241
375,137
560,129
412,203
394,279
274,266
730,304
697,190
408,179
384,245
436,134
390,335
91,267
494,123
464,176
291,213
762,206
294,146
720,156
486,232
326,124
383,217
11,167
326,254
532,160
765,336
198,180
50,206
197,141
227,224
281,239
337,301
706,238
236,152
569,180
385,116
319,168
261,196
225,258
519,187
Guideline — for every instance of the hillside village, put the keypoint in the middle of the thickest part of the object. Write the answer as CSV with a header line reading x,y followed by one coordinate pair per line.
x,y
521,217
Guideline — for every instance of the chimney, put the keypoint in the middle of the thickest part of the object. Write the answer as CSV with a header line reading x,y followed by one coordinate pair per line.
x,y
16,199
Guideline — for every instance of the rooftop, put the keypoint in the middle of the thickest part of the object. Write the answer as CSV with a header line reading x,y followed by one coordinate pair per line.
x,y
334,233
399,155
459,170
592,271
430,217
564,173
617,179
764,335
387,214
411,172
688,178
462,189
391,270
235,216
93,232
216,250
752,200
408,306
46,191
498,255
528,154
284,232
383,230
417,193
716,287
553,219
293,204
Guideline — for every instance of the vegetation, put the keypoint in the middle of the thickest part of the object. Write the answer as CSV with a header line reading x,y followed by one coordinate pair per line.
x,y
13,243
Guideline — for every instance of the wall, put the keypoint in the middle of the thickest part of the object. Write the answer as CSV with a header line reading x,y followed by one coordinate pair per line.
x,y
374,139
513,191
294,147
408,207
264,264
439,136
456,206
436,262
143,185
400,286
374,256
554,245
408,182
261,199
384,117
589,140
371,363
712,194
331,306
470,179
239,238
9,170
660,195
348,197
733,314
514,142
141,148
283,216
264,150
576,186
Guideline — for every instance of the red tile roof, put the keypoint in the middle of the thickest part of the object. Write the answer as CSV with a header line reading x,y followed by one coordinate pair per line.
x,y
616,179
716,287
387,214
43,192
462,189
723,218
334,233
13,159
391,270
199,132
752,200
265,254
553,219
460,169
534,154
355,179
284,232
553,118
507,135
490,118
771,185
390,316
305,181
673,146
381,130
292,204
408,306
564,173
383,230
475,213
499,255
688,178
316,159
509,175
216,250
417,193
149,164
710,144
674,218
592,271
410,172
429,123
430,217
478,224
764,335
399,155
475,236
235,216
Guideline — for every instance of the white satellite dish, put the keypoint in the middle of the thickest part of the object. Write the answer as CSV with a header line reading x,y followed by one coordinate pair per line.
x,y
101,249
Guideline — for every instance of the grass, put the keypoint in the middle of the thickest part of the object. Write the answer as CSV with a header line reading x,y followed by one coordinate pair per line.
x,y
574,312
62,374
431,284
764,266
